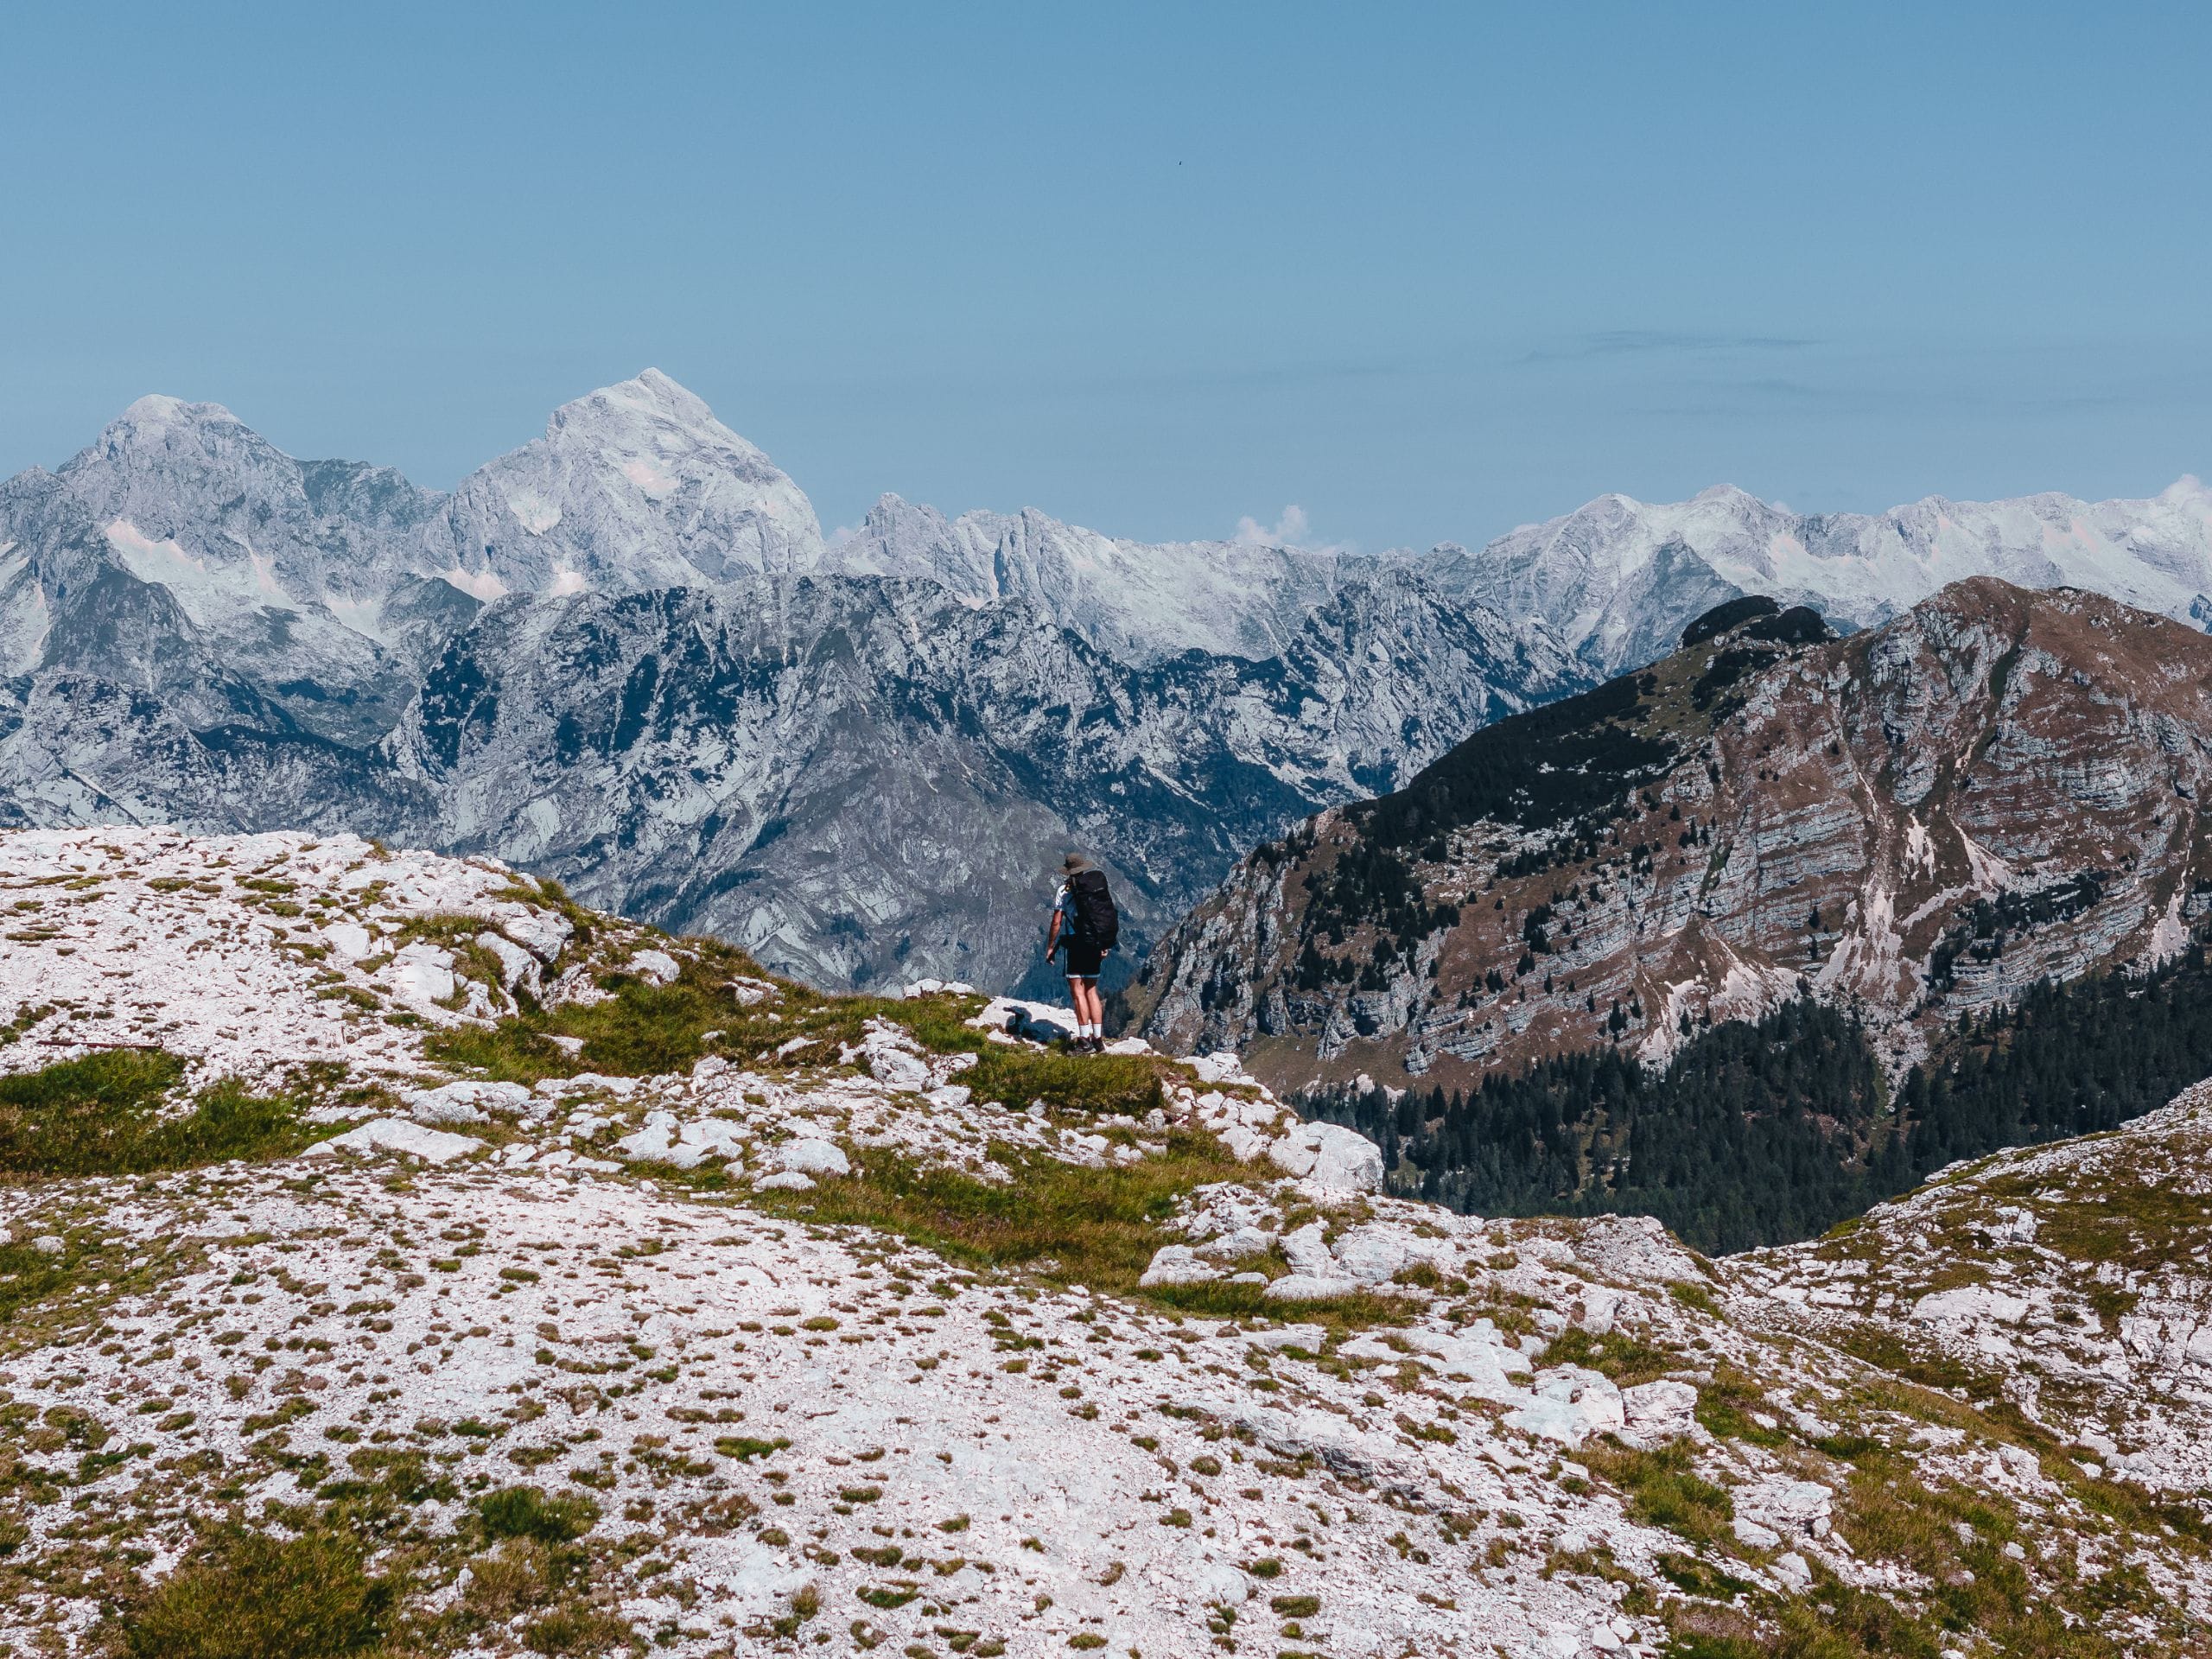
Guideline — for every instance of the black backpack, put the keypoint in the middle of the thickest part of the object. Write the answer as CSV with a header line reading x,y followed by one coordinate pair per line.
x,y
1097,923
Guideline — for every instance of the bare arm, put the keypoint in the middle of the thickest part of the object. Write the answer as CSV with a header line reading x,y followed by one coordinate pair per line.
x,y
1052,934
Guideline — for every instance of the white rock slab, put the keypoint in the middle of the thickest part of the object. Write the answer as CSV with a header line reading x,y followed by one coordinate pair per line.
x,y
1332,1157
399,1135
655,967
1655,1413
1570,1405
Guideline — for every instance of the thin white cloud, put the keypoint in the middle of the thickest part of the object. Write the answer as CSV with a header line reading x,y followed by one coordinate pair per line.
x,y
1289,530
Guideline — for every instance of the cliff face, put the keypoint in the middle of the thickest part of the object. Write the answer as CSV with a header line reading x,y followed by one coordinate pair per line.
x,y
1915,821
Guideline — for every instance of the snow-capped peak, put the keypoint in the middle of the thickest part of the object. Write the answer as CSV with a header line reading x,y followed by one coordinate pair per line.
x,y
634,486
158,409
646,402
1619,577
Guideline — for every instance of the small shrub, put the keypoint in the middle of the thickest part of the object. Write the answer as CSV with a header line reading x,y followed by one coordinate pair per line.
x,y
576,1629
527,1512
513,1580
244,1596
745,1448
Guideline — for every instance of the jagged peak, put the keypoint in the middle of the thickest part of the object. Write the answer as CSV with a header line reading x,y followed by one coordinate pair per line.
x,y
649,399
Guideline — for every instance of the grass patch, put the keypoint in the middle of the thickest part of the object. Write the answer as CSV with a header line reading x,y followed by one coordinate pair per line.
x,y
1099,1227
1070,1224
2139,1224
1097,1083
527,1512
1929,1367
645,1030
1662,1489
1625,1359
1726,1407
102,1114
249,1595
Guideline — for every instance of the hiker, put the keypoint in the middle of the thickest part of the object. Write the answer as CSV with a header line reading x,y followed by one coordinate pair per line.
x,y
1086,923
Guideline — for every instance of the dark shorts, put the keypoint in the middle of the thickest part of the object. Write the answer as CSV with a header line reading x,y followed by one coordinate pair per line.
x,y
1083,961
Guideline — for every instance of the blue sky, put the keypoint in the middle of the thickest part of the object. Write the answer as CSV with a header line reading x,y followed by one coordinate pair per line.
x,y
1427,272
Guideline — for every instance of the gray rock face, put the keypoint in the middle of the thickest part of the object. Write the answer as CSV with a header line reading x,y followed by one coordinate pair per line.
x,y
862,779
636,486
1998,787
1143,603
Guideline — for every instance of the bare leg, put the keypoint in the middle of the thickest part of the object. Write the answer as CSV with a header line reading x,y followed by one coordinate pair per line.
x,y
1083,994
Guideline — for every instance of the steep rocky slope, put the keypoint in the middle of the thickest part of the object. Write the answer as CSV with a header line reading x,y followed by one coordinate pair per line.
x,y
2068,1281
1914,821
862,780
538,1283
1140,601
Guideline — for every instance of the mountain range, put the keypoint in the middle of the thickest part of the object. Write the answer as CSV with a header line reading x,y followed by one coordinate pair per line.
x,y
626,656
1619,579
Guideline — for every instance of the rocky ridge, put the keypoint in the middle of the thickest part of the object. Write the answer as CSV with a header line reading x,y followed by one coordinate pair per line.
x,y
1620,578
2068,1280
1919,820
641,1352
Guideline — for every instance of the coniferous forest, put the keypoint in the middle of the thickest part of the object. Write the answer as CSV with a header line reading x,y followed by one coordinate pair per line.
x,y
1768,1132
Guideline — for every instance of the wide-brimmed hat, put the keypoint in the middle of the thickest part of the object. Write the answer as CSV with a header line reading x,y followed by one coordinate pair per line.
x,y
1073,862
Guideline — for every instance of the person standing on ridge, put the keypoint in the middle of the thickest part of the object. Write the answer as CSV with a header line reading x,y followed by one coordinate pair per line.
x,y
1086,921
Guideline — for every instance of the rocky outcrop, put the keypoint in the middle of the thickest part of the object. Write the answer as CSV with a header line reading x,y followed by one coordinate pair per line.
x,y
1997,787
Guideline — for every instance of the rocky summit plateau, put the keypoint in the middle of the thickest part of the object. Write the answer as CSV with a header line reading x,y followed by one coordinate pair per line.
x,y
397,1255
625,655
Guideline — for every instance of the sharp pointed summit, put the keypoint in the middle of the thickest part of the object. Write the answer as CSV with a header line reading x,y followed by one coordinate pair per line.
x,y
634,486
